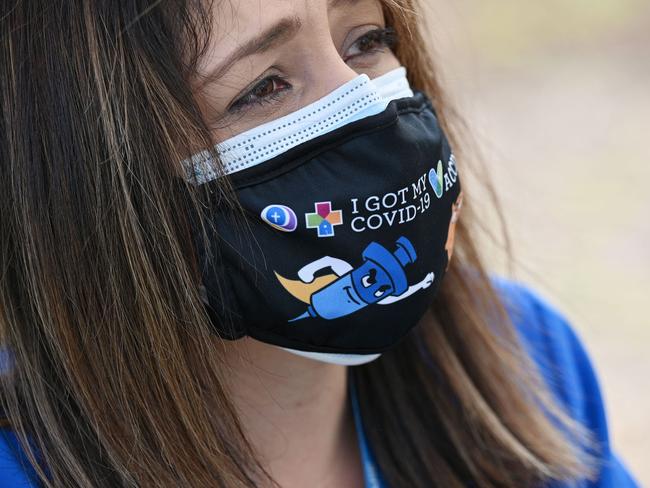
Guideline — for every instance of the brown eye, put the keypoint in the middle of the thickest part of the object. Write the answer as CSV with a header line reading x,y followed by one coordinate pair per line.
x,y
367,43
371,42
267,90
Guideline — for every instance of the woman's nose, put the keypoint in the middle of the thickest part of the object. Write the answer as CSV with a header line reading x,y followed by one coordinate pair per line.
x,y
327,70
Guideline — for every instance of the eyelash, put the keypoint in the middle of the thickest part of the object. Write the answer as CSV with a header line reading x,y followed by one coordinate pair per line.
x,y
249,98
374,41
384,37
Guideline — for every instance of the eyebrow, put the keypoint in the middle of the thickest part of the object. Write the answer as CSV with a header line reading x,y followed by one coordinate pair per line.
x,y
278,33
332,4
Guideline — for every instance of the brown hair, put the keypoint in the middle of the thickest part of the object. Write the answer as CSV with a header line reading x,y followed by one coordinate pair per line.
x,y
115,378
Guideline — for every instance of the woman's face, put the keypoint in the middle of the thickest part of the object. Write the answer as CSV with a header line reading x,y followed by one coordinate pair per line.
x,y
268,58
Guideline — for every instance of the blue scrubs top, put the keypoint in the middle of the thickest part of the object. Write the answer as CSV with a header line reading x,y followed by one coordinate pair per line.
x,y
564,365
547,337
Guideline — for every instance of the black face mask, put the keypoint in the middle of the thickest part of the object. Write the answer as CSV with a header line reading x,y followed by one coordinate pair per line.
x,y
347,238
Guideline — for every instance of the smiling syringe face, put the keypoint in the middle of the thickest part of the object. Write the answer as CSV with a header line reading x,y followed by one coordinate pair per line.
x,y
381,275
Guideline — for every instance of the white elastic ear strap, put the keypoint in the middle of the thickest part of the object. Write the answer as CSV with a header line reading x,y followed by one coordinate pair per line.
x,y
358,98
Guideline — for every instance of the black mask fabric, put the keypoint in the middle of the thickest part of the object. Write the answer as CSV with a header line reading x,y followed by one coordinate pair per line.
x,y
346,239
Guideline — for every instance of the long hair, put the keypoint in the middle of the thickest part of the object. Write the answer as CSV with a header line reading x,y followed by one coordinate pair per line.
x,y
116,378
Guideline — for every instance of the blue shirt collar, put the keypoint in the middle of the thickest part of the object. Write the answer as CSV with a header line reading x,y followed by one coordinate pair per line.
x,y
371,474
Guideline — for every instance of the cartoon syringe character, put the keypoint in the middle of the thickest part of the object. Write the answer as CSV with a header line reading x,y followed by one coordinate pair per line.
x,y
379,277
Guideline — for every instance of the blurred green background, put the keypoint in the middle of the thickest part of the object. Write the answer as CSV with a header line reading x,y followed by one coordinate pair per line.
x,y
557,96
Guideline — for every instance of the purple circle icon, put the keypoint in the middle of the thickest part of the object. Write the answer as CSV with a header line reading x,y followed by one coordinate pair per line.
x,y
280,217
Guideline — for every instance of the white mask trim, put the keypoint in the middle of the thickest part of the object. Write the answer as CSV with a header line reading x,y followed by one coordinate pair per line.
x,y
334,358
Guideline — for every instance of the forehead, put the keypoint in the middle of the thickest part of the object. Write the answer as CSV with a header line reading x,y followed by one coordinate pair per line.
x,y
233,16
235,21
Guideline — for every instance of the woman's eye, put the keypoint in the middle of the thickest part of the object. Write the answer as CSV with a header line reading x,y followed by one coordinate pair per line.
x,y
272,88
376,40
267,90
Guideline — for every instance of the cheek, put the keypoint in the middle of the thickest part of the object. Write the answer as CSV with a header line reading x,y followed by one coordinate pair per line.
x,y
377,65
388,62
